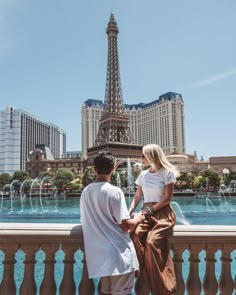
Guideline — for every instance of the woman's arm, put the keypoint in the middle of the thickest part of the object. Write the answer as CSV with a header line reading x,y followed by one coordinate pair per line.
x,y
136,199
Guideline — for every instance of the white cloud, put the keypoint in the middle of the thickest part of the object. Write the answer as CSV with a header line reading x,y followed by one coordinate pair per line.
x,y
212,79
216,78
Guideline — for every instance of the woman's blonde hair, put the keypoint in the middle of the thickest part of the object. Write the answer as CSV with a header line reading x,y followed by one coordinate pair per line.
x,y
153,153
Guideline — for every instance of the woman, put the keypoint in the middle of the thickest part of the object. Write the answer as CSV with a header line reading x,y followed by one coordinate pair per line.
x,y
151,237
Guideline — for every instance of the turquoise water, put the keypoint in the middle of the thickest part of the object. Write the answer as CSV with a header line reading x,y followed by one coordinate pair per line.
x,y
214,211
189,210
51,211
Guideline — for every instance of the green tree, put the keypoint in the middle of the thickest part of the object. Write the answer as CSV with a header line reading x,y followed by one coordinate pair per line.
x,y
76,184
182,181
210,179
114,178
198,181
89,175
190,179
63,178
50,174
20,175
5,178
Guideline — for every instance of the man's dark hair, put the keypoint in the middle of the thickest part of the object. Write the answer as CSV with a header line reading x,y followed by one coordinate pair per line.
x,y
104,162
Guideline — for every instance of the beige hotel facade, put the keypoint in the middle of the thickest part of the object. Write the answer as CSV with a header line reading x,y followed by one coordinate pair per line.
x,y
160,121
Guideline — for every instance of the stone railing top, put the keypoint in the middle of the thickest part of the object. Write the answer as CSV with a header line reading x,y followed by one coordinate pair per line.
x,y
206,229
41,231
205,233
69,230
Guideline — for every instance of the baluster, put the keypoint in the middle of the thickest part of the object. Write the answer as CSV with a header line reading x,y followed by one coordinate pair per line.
x,y
178,250
28,286
226,284
193,284
68,285
8,283
48,285
210,284
141,284
86,286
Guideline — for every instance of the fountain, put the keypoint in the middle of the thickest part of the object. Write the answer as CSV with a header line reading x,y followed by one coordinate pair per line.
x,y
10,186
22,195
11,191
41,183
37,182
33,205
118,181
179,214
5,186
206,211
38,204
210,204
227,206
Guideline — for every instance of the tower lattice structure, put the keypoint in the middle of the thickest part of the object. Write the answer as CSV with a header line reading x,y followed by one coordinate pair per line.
x,y
114,120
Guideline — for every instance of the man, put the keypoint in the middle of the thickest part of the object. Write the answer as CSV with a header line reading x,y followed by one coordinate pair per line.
x,y
109,251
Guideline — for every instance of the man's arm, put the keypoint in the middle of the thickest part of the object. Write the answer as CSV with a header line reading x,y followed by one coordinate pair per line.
x,y
128,225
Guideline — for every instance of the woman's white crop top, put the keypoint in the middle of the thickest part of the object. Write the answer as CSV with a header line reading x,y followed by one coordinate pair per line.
x,y
153,184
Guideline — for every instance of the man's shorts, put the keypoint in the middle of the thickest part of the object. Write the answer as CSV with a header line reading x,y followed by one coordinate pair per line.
x,y
118,285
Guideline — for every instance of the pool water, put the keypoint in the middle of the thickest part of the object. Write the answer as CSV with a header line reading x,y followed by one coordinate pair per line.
x,y
214,211
189,210
33,211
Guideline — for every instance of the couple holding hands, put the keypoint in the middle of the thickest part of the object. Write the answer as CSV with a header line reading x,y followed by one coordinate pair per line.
x,y
118,247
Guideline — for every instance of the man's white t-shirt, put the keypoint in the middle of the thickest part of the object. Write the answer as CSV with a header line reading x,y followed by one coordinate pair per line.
x,y
153,184
108,249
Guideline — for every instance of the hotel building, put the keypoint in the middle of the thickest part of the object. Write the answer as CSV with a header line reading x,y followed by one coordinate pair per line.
x,y
160,121
20,132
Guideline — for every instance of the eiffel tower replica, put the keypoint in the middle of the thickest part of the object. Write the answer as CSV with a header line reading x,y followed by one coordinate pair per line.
x,y
114,134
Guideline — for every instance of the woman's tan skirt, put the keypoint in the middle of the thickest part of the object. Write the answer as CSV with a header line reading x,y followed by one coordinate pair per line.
x,y
153,250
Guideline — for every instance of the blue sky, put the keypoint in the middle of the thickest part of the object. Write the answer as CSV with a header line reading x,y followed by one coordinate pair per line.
x,y
53,57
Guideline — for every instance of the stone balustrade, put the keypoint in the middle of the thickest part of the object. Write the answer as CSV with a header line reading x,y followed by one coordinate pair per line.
x,y
204,259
